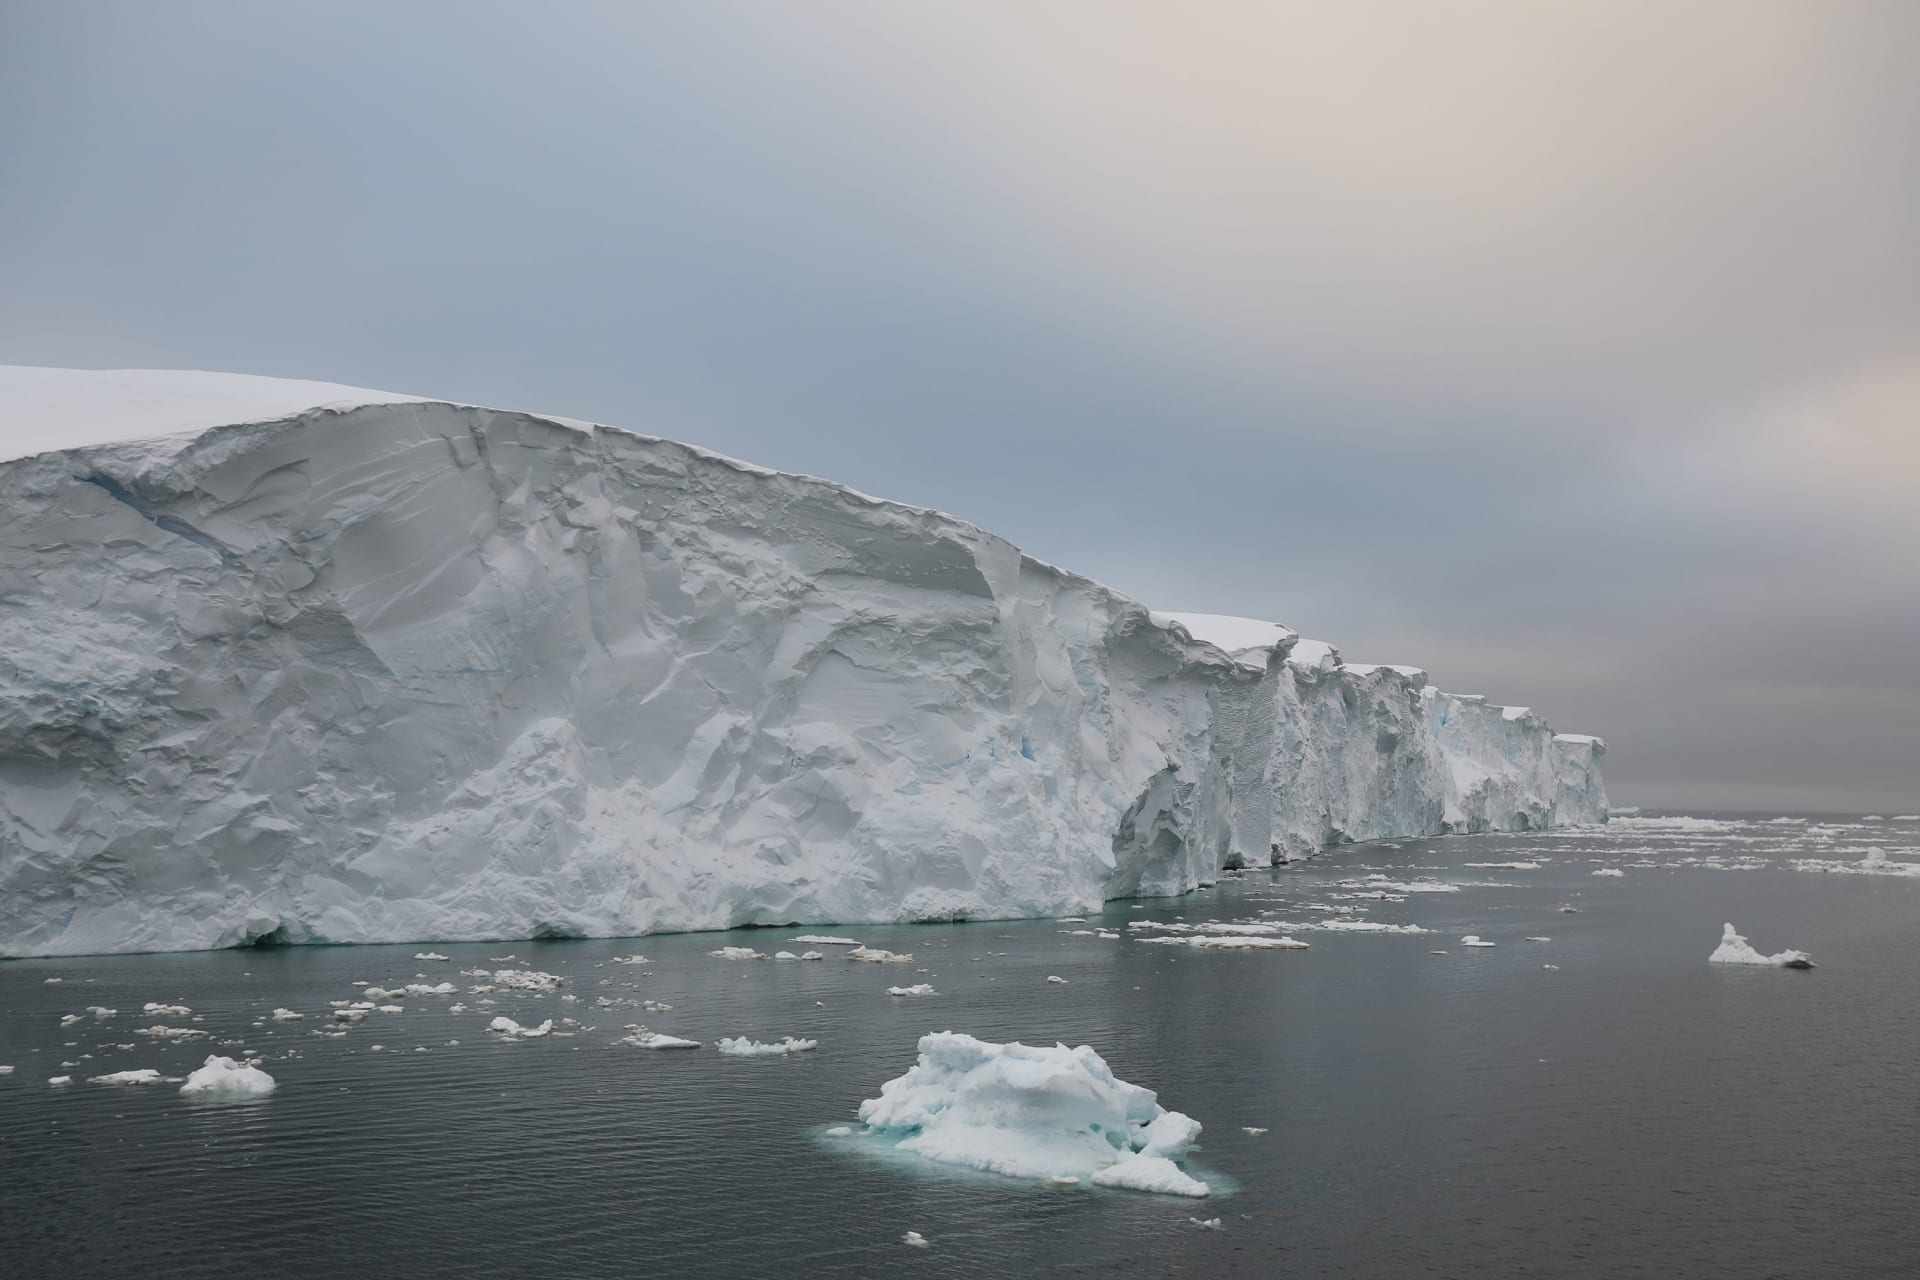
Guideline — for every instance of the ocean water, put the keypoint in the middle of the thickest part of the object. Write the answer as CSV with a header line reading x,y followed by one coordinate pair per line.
x,y
1633,1111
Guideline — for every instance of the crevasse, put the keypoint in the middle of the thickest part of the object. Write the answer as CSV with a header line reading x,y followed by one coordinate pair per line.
x,y
299,662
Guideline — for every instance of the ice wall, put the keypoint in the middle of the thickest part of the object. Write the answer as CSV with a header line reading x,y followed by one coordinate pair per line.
x,y
315,664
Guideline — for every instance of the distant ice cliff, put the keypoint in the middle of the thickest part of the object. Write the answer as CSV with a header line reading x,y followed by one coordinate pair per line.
x,y
300,662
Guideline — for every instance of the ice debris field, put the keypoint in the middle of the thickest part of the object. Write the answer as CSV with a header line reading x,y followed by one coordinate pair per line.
x,y
298,662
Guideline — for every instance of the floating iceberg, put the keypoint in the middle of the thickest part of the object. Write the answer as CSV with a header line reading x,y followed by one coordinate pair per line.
x,y
641,1038
512,1030
225,1078
142,1075
602,684
880,955
1231,942
1033,1112
917,989
741,1047
1734,949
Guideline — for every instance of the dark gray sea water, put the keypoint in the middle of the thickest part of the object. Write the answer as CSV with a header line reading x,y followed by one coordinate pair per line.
x,y
1633,1111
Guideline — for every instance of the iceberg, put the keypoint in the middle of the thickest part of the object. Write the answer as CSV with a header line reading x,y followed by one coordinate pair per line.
x,y
224,1078
1734,949
1032,1112
742,1047
296,662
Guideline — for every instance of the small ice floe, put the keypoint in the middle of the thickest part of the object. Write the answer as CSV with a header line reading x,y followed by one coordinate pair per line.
x,y
737,953
656,1006
812,955
53,982
518,979
101,1012
1063,1180
1029,1111
1503,866
1229,942
1054,977
632,959
1608,871
785,955
915,1239
824,940
1475,940
1070,919
839,1131
741,1047
1110,937
171,1033
288,1015
1567,910
1539,939
428,955
167,1010
6,1071
59,1080
422,989
456,1008
1734,949
511,1030
350,1015
1206,1224
917,989
224,1078
1550,966
880,955
68,1019
1251,1131
391,1008
143,1075
641,1038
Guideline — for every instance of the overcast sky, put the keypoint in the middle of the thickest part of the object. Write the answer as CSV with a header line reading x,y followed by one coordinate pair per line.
x,y
1568,350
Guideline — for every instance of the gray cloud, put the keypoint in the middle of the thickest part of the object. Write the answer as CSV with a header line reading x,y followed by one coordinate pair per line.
x,y
1570,351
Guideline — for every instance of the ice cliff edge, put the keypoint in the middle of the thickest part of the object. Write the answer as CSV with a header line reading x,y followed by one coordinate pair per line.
x,y
298,661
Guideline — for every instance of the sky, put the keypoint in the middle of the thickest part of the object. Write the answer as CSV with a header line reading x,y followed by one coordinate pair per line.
x,y
1568,350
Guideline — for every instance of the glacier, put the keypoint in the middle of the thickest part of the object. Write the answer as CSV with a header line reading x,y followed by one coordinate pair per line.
x,y
296,662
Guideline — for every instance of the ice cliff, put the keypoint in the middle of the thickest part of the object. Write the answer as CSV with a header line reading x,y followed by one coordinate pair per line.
x,y
301,662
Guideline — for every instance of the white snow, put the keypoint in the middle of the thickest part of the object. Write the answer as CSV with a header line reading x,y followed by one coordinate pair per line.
x,y
741,1047
224,1078
854,710
917,989
1734,949
1032,1112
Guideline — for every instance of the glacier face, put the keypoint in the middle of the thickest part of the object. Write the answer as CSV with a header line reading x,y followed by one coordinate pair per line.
x,y
317,664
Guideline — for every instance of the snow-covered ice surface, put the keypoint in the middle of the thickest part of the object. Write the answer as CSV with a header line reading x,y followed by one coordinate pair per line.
x,y
310,664
1033,1112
